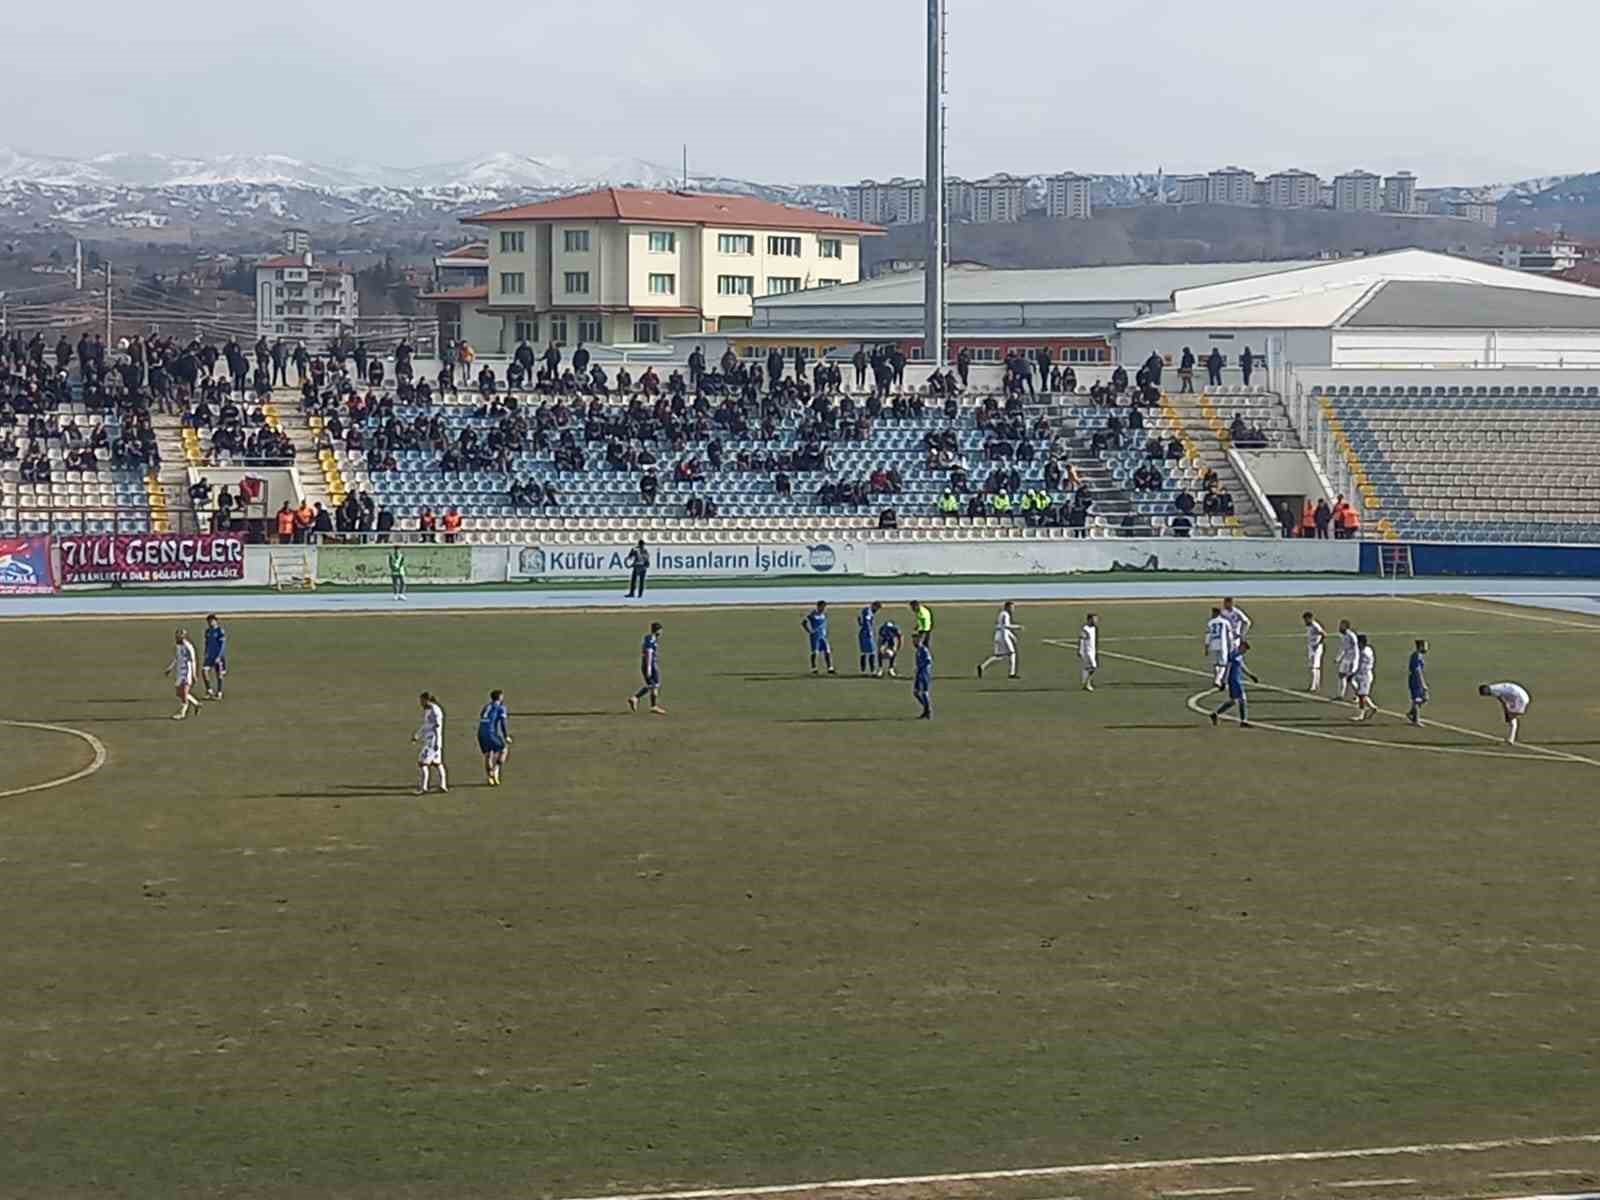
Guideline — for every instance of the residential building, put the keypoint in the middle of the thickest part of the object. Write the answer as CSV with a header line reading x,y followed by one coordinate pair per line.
x,y
1066,197
1400,192
1356,191
1485,212
1541,253
997,199
622,265
1231,185
296,241
298,300
1293,189
960,200
1192,189
897,202
458,293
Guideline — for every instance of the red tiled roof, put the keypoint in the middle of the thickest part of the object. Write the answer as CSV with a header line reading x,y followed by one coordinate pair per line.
x,y
675,208
481,292
1587,273
469,250
283,260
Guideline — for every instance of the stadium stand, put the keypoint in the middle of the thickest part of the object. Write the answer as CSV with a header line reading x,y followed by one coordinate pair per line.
x,y
73,458
595,493
1488,463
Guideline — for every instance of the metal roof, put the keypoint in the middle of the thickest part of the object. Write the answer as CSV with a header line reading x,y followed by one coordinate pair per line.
x,y
1410,304
1066,285
891,330
1300,310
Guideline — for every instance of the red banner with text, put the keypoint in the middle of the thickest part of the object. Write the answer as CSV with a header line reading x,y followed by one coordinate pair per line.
x,y
150,557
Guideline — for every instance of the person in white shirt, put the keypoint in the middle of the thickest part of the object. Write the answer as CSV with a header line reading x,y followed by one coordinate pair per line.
x,y
1316,639
430,735
1088,652
1514,701
1349,659
1005,641
182,670
1219,644
1238,620
1366,668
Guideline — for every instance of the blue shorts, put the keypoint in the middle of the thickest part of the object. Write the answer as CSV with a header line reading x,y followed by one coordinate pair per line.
x,y
652,679
868,646
218,662
489,743
1235,693
924,683
819,645
1419,696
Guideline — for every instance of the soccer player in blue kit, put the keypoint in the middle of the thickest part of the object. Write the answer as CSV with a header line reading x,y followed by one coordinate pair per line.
x,y
1236,675
650,670
888,648
494,736
922,685
1416,678
867,638
815,623
216,665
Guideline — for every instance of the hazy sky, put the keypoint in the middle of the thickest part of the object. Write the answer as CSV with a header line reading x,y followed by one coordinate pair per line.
x,y
1461,91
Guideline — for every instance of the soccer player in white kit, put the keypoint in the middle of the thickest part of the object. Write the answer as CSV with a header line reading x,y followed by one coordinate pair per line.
x,y
1366,668
1219,644
1514,701
1316,639
430,734
1088,652
1239,623
182,670
1005,641
1349,659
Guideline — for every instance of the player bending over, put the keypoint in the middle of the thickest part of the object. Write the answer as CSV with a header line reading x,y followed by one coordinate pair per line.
x,y
1366,671
1219,644
888,648
866,638
1316,639
430,735
922,685
1514,701
815,623
1416,681
650,670
494,736
181,668
1088,652
1005,642
1237,674
1349,659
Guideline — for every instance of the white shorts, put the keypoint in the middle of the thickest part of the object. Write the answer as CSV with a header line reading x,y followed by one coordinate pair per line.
x,y
430,755
183,679
1363,685
1219,658
1346,669
1005,645
1313,658
1089,662
1514,708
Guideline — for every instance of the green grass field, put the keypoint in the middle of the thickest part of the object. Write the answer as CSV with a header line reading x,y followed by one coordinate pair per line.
x,y
786,932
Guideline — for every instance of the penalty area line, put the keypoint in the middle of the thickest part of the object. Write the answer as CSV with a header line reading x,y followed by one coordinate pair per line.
x,y
95,763
1116,1168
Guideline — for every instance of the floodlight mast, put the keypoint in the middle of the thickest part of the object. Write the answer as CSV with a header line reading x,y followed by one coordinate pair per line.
x,y
933,332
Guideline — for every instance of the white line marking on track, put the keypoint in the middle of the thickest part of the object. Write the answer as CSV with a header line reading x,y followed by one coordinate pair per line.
x,y
94,743
1536,1174
1227,1191
1366,1183
1113,1168
1540,753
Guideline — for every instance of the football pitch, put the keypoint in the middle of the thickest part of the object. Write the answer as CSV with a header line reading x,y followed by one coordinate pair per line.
x,y
787,932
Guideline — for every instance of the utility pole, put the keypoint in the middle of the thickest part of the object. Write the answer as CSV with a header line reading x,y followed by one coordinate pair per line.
x,y
933,344
108,304
77,263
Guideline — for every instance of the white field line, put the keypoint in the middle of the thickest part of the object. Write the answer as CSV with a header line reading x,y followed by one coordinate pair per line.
x,y
1384,633
94,743
1116,1168
1545,752
1195,705
1366,1183
1491,608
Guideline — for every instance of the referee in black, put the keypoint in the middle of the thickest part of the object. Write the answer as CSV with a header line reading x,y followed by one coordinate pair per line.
x,y
639,565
